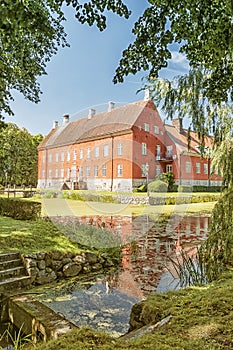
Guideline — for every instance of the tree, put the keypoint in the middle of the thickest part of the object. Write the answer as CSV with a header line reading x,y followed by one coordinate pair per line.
x,y
31,32
202,29
18,156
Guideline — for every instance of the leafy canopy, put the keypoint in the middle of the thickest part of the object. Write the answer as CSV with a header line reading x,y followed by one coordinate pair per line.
x,y
31,32
202,29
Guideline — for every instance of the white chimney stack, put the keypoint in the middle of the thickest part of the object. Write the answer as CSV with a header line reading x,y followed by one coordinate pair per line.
x,y
147,95
111,105
91,113
66,118
55,124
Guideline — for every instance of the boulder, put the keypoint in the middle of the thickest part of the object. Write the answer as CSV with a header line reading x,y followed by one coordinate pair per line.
x,y
71,269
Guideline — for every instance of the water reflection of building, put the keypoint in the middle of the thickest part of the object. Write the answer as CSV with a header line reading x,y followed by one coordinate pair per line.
x,y
148,244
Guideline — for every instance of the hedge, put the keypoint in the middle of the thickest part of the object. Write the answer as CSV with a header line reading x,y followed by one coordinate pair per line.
x,y
19,209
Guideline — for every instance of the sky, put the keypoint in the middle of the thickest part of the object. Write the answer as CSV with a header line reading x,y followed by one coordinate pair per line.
x,y
80,77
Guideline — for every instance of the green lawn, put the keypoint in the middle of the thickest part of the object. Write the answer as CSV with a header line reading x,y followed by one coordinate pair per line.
x,y
32,236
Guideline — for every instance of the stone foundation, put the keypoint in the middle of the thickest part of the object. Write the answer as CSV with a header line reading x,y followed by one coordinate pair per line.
x,y
47,267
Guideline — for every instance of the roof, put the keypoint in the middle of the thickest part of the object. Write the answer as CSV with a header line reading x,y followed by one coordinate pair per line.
x,y
181,139
100,125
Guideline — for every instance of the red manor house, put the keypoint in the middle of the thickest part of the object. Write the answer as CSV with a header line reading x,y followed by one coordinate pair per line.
x,y
120,149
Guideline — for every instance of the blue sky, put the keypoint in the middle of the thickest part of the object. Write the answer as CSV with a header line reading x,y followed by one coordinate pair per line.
x,y
80,77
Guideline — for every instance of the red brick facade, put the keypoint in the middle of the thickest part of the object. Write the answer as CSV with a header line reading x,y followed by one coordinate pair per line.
x,y
114,150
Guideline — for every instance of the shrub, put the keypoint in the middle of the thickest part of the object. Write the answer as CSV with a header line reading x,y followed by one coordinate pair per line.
x,y
182,188
19,209
142,188
157,186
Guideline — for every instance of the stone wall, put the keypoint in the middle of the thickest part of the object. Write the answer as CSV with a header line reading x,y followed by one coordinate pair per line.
x,y
47,267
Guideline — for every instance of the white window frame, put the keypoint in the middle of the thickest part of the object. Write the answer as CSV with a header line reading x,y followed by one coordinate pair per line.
x,y
74,154
56,173
205,168
169,168
62,173
198,168
96,171
156,130
56,157
80,173
104,170
146,127
106,150
119,149
188,167
88,152
144,148
97,151
119,170
50,158
81,153
68,156
62,156
88,171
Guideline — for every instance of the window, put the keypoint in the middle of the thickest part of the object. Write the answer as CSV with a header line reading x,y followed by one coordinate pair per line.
x,y
205,168
146,127
156,130
144,170
96,170
158,152
80,174
74,154
56,157
119,170
158,170
104,170
68,156
50,158
105,150
56,173
73,172
43,158
62,156
119,149
169,168
67,173
144,149
88,152
62,173
169,151
198,168
50,173
81,154
43,174
88,171
97,151
188,167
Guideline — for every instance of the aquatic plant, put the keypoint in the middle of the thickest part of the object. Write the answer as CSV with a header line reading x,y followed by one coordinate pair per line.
x,y
16,339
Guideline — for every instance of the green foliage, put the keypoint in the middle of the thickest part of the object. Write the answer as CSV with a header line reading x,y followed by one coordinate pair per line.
x,y
169,179
203,31
219,244
89,197
19,209
31,35
17,338
190,270
157,186
142,188
183,188
18,156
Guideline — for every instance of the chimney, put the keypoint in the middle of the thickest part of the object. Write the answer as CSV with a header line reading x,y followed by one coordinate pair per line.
x,y
111,105
177,123
65,119
55,124
91,113
147,95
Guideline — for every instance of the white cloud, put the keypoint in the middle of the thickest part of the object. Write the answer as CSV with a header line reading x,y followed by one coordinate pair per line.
x,y
180,60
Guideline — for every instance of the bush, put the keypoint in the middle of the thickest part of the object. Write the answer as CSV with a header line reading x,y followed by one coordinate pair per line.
x,y
157,186
19,209
182,188
142,188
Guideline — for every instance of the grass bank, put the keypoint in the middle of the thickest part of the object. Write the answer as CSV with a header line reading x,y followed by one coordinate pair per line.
x,y
202,318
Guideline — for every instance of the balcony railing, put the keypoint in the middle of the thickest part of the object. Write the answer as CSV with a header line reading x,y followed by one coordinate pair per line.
x,y
165,156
